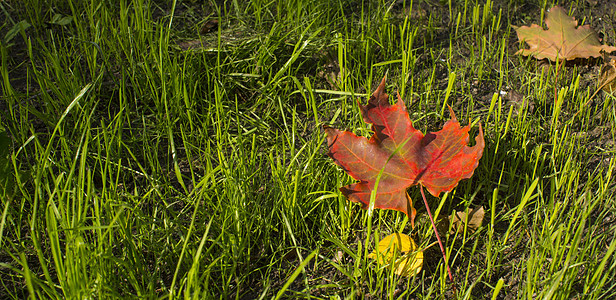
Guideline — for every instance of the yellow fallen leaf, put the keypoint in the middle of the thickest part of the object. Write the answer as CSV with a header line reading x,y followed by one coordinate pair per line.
x,y
399,249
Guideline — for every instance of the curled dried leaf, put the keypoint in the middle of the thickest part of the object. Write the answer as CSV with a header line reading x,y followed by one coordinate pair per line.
x,y
470,220
607,79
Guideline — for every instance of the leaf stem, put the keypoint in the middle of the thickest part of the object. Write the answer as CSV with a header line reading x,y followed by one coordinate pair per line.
x,y
437,237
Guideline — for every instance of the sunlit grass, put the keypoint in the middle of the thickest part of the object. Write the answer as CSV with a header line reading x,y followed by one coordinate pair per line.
x,y
139,169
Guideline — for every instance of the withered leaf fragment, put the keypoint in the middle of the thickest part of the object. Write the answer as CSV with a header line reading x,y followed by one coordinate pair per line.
x,y
607,79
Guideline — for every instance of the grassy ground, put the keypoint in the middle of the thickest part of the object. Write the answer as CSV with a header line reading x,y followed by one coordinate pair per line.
x,y
163,149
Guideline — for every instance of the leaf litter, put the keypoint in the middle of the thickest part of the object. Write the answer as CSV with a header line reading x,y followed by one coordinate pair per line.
x,y
469,220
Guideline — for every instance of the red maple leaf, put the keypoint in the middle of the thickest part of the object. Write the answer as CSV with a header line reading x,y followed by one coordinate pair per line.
x,y
406,157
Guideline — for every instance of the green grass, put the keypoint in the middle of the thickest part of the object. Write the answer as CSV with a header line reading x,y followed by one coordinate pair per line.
x,y
138,169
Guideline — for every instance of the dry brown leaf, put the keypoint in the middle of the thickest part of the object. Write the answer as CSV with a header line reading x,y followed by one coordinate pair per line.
x,y
459,219
607,78
209,26
562,40
191,45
